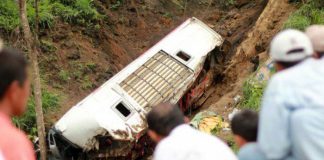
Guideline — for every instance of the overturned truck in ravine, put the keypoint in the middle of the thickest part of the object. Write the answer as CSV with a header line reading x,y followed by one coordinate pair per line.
x,y
110,122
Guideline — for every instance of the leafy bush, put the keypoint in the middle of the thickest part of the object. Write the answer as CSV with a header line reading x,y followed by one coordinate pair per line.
x,y
252,94
306,15
46,18
9,17
28,121
79,12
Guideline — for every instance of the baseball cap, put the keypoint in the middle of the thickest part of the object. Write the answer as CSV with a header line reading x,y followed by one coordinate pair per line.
x,y
316,35
290,46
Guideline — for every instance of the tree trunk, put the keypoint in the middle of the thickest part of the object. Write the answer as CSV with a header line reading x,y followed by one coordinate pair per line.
x,y
32,49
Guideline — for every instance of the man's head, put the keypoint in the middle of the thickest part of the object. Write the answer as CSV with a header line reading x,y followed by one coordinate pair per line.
x,y
316,35
245,127
14,83
290,47
162,119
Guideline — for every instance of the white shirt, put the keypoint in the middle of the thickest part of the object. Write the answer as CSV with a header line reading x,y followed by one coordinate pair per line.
x,y
299,87
186,143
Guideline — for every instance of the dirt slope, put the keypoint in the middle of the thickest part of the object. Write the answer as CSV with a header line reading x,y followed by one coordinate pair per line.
x,y
240,67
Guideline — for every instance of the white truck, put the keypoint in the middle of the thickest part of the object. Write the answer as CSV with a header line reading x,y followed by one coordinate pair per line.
x,y
110,122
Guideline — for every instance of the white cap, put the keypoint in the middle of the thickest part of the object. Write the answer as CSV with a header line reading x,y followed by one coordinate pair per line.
x,y
290,46
316,35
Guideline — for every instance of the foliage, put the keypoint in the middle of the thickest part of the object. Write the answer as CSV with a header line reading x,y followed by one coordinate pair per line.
x,y
79,12
46,18
116,5
64,76
9,18
28,121
47,46
87,83
307,14
252,94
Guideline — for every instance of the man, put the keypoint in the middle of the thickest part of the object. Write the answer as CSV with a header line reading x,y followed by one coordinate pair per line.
x,y
307,128
178,141
289,89
315,33
14,91
245,128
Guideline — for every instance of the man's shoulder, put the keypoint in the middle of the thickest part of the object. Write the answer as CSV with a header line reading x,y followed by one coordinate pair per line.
x,y
251,151
14,144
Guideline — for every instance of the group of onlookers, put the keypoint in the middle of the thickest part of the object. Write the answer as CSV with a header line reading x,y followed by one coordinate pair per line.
x,y
291,121
290,125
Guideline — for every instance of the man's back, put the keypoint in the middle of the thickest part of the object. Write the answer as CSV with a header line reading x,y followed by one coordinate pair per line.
x,y
14,145
296,88
186,143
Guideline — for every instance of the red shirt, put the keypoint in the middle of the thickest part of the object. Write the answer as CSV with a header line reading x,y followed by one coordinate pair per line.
x,y
14,144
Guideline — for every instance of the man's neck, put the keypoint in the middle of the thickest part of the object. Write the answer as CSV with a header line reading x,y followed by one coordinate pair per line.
x,y
5,109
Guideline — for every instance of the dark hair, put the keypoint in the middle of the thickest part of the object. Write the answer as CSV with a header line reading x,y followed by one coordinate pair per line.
x,y
288,64
164,117
13,66
245,124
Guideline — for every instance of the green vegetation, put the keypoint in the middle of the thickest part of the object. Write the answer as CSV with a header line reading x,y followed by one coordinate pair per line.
x,y
80,12
64,76
307,14
252,94
87,83
28,121
9,18
227,3
116,5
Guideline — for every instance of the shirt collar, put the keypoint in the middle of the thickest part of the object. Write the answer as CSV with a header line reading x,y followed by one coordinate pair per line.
x,y
179,128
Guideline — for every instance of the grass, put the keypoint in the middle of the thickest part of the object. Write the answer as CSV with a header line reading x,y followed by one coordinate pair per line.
x,y
252,94
308,14
28,121
64,76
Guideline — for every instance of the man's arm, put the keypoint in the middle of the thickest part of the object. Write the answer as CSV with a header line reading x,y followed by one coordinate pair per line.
x,y
273,133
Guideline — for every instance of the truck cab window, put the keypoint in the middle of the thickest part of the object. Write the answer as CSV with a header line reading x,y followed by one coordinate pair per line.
x,y
183,56
123,110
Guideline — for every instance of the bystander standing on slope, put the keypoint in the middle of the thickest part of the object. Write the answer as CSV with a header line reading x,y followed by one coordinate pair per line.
x,y
14,91
307,127
286,92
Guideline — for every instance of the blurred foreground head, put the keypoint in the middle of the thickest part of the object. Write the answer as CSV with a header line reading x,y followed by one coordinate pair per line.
x,y
162,119
290,47
245,127
14,83
316,35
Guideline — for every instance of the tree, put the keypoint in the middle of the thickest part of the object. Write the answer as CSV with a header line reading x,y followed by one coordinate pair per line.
x,y
33,52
